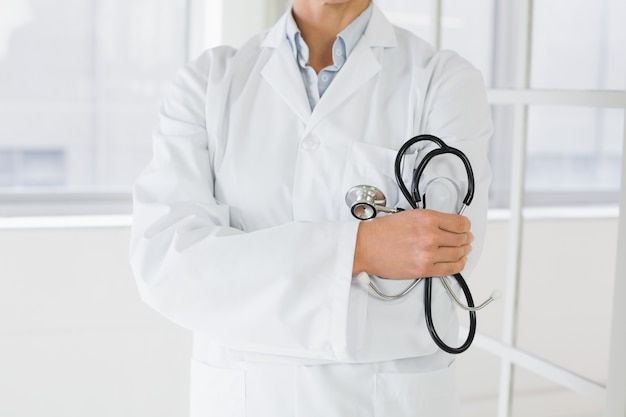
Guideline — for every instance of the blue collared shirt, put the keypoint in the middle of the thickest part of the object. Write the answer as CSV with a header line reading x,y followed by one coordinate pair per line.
x,y
316,84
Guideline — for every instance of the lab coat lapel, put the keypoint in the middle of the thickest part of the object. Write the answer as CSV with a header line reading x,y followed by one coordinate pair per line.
x,y
282,73
361,66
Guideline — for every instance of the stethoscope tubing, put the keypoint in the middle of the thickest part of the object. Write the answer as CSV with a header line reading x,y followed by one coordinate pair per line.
x,y
414,198
429,316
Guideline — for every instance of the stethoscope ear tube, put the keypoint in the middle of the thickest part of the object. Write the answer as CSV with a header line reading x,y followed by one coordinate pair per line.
x,y
413,197
398,164
417,174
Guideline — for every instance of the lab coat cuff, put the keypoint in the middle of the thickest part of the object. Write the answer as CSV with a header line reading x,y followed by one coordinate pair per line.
x,y
342,303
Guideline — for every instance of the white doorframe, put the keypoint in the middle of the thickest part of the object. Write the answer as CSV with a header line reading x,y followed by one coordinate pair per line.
x,y
616,386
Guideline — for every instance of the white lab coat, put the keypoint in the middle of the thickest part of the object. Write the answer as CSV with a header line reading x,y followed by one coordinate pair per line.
x,y
241,232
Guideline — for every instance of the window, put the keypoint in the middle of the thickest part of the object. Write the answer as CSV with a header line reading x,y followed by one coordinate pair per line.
x,y
32,167
80,85
573,146
574,153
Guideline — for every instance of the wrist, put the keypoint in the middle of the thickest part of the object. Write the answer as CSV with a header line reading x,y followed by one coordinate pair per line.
x,y
361,249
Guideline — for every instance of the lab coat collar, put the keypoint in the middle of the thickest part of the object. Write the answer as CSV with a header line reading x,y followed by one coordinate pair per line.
x,y
282,73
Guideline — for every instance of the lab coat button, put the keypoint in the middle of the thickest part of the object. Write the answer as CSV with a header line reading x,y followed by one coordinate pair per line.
x,y
311,144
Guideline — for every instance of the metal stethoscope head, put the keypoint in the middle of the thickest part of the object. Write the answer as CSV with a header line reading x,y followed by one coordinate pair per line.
x,y
366,201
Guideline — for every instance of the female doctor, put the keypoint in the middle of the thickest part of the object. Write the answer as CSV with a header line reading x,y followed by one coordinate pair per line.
x,y
242,235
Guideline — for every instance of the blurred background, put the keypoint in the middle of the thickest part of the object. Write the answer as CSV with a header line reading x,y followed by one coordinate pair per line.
x,y
80,86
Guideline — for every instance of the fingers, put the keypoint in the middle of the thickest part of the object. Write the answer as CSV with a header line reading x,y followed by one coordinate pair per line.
x,y
455,240
452,254
448,268
444,261
454,223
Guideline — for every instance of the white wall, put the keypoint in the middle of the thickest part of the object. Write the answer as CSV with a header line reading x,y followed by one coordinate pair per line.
x,y
75,340
568,269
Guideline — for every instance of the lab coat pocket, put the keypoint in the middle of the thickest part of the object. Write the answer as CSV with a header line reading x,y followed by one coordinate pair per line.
x,y
216,391
375,165
428,394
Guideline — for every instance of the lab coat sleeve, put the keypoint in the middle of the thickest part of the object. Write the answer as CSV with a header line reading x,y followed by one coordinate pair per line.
x,y
280,291
457,111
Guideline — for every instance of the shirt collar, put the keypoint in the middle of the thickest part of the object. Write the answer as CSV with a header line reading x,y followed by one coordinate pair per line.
x,y
346,39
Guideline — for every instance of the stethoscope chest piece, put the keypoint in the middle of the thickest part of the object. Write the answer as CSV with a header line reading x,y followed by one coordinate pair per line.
x,y
366,201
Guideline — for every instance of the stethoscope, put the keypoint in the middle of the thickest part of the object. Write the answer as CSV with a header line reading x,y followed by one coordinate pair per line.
x,y
366,201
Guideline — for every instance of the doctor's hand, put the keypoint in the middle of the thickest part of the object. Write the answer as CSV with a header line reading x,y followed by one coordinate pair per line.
x,y
413,244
